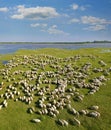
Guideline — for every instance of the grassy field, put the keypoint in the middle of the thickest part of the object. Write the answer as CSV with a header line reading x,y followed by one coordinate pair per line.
x,y
61,63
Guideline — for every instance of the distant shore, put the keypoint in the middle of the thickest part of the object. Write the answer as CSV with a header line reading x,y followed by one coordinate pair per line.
x,y
55,42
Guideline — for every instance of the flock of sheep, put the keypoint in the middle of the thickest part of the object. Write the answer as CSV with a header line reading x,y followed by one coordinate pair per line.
x,y
51,83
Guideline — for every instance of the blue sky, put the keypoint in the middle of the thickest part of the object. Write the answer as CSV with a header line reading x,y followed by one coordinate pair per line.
x,y
55,20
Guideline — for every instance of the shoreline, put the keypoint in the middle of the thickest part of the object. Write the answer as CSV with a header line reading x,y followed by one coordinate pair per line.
x,y
101,42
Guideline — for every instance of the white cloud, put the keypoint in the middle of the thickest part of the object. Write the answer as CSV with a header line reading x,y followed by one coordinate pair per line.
x,y
51,30
95,23
93,20
35,25
74,20
39,25
54,30
54,26
34,13
75,6
4,9
96,28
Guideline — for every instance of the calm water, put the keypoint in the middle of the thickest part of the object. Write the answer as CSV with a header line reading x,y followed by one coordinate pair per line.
x,y
10,48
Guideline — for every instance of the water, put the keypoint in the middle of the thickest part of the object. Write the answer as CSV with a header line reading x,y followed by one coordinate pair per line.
x,y
11,48
4,61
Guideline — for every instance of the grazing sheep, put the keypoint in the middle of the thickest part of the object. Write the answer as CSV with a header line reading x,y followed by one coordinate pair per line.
x,y
102,63
73,111
94,107
79,98
4,103
36,120
1,107
63,122
94,114
75,122
31,110
83,112
1,95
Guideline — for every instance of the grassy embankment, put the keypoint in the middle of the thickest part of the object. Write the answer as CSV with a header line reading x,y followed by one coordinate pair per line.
x,y
15,116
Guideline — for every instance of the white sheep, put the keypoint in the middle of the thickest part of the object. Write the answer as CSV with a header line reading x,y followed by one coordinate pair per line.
x,y
36,120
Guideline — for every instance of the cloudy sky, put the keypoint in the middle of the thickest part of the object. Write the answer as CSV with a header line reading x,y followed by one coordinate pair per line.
x,y
55,20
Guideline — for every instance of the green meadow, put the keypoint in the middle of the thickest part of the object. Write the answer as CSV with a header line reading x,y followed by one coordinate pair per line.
x,y
67,65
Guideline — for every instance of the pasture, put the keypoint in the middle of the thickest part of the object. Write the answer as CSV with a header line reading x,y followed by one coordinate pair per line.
x,y
56,89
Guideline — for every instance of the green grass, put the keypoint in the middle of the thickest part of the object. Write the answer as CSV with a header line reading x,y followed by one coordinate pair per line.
x,y
15,116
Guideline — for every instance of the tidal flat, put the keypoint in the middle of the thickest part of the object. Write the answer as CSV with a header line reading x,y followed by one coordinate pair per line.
x,y
56,89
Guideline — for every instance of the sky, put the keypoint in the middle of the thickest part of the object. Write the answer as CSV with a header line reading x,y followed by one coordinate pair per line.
x,y
55,20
